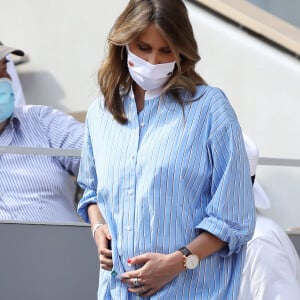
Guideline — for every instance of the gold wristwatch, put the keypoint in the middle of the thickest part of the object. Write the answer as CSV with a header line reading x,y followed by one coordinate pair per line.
x,y
191,261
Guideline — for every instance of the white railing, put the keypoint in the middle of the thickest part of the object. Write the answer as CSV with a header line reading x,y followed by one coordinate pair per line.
x,y
269,161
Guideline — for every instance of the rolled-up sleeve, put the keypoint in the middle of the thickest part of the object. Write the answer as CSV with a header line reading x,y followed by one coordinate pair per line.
x,y
230,215
87,177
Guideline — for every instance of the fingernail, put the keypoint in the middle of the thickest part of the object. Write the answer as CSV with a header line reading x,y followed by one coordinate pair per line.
x,y
129,261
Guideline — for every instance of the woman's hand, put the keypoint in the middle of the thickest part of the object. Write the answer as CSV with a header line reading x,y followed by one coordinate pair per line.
x,y
102,240
157,271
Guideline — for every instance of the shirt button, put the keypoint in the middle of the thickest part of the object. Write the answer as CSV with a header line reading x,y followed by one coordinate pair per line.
x,y
130,192
128,228
142,124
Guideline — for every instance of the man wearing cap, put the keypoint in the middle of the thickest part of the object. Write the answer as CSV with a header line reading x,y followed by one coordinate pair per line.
x,y
8,70
272,265
37,188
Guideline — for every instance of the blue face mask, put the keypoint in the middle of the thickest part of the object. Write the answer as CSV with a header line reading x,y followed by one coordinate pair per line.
x,y
7,99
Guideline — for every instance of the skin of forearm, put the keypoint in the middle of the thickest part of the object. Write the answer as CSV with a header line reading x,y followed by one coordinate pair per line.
x,y
205,244
95,215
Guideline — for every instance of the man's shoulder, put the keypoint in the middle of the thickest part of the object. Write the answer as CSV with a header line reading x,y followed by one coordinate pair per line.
x,y
38,111
43,115
31,110
267,229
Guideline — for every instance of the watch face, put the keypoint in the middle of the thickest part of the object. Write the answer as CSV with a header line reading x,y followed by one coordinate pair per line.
x,y
192,261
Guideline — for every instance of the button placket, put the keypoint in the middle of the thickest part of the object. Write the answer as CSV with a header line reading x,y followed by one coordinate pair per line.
x,y
128,228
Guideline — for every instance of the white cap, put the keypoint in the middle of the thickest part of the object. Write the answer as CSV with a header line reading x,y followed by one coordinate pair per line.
x,y
261,199
5,50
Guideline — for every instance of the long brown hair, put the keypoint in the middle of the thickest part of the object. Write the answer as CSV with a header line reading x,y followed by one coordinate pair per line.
x,y
171,18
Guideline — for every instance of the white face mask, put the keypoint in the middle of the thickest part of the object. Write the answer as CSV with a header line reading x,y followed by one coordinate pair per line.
x,y
146,75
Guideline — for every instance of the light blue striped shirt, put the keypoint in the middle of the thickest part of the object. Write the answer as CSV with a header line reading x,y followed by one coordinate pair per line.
x,y
36,187
161,179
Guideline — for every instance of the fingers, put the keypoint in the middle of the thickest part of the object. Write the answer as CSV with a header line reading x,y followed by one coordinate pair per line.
x,y
105,258
138,286
106,263
129,277
106,232
142,291
139,259
102,239
103,249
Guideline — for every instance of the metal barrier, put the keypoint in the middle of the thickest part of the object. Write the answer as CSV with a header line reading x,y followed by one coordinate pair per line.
x,y
47,262
39,151
76,152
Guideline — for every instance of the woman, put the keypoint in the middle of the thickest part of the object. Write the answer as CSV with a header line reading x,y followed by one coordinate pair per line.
x,y
166,178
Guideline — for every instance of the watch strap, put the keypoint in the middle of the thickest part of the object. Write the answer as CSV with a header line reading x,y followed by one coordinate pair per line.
x,y
185,251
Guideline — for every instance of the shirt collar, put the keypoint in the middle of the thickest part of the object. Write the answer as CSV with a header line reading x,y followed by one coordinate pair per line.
x,y
151,94
15,119
13,122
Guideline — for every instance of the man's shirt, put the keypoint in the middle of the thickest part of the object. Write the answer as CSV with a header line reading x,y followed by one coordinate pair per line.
x,y
39,188
272,265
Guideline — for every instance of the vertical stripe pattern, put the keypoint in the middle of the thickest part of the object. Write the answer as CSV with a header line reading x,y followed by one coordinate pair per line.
x,y
36,187
163,178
